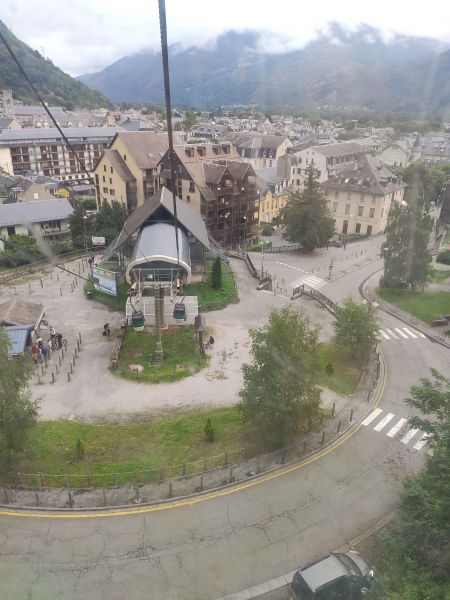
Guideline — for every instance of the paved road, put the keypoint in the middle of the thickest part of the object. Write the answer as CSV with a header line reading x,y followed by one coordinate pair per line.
x,y
222,543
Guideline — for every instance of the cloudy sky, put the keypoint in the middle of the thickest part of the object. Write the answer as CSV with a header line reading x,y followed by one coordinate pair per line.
x,y
82,36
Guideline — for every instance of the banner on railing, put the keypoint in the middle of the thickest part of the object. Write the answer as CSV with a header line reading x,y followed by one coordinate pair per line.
x,y
105,281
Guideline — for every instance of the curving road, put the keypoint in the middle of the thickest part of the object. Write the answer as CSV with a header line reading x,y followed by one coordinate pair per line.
x,y
220,543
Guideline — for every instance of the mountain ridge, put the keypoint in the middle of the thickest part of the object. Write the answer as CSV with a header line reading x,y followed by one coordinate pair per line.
x,y
55,86
340,67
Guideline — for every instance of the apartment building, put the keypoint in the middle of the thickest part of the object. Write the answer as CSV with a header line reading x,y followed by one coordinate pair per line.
x,y
218,185
43,218
44,152
328,159
127,171
260,151
360,196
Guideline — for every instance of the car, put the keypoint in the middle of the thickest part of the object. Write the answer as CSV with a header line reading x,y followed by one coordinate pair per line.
x,y
338,576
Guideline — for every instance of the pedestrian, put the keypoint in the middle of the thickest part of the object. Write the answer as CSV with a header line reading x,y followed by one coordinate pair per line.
x,y
59,339
49,346
35,353
51,331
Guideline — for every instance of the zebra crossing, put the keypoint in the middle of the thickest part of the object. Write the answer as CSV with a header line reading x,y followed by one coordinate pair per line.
x,y
310,280
403,333
399,430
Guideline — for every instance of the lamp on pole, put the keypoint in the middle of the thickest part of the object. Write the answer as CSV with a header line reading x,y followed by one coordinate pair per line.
x,y
85,235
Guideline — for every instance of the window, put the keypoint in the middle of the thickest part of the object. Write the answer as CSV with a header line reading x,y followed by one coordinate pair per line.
x,y
124,157
299,171
110,180
104,166
336,194
362,197
270,163
105,190
112,170
112,192
104,179
191,187
335,206
188,199
298,181
371,213
374,199
347,209
360,211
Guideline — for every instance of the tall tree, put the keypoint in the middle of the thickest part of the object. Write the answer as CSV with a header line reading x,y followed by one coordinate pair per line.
x,y
110,219
306,215
356,327
79,227
189,120
405,251
17,411
280,398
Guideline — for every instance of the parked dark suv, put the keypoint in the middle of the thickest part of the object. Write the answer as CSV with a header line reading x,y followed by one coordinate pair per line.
x,y
336,577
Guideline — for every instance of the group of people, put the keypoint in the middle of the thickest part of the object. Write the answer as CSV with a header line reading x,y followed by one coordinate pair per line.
x,y
40,349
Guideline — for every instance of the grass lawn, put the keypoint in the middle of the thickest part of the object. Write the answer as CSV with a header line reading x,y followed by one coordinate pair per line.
x,y
211,299
346,369
426,306
124,449
438,275
180,350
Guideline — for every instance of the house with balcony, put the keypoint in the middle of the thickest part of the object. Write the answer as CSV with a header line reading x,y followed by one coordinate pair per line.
x,y
261,151
48,219
127,172
219,186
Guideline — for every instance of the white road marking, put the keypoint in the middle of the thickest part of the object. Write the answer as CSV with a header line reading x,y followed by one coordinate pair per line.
x,y
384,422
386,337
422,335
390,332
401,333
408,331
421,443
373,415
396,428
409,436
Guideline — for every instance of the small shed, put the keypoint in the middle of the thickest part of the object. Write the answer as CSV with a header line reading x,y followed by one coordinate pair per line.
x,y
20,338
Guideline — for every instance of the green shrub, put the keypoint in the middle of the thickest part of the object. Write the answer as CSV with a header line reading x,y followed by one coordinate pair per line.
x,y
209,430
444,257
267,230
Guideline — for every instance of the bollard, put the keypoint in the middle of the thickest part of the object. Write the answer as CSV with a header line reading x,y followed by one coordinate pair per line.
x,y
78,345
71,368
230,476
79,337
42,369
73,360
104,497
59,360
29,287
71,502
62,353
351,415
323,438
53,377
170,489
57,276
333,409
75,353
5,492
339,427
68,376
283,457
36,495
201,483
42,285
60,291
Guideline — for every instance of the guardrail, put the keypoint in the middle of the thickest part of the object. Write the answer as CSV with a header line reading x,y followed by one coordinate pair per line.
x,y
305,289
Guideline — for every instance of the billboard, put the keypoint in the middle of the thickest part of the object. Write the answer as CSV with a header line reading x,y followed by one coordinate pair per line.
x,y
105,281
98,240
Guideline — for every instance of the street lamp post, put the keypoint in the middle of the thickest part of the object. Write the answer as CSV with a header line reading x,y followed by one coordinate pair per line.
x,y
85,235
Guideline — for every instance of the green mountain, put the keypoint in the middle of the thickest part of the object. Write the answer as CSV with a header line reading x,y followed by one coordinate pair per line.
x,y
55,86
342,67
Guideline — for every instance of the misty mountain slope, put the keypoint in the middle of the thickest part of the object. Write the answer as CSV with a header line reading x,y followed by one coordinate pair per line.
x,y
341,67
54,85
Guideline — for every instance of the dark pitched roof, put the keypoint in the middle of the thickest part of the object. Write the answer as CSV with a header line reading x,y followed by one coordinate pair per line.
x,y
187,217
366,175
35,212
20,312
119,164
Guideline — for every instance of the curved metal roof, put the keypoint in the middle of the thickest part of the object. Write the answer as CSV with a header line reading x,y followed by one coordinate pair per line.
x,y
156,244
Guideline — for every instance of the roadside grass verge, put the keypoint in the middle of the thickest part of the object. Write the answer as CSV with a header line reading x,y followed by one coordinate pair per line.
x,y
426,306
180,347
438,275
124,450
346,369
